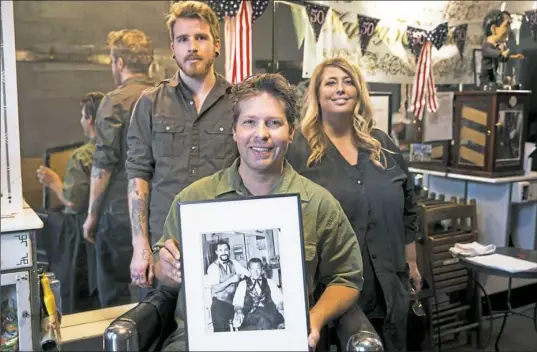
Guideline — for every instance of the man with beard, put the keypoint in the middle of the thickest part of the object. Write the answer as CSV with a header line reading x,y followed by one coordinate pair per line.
x,y
131,54
258,301
224,274
180,130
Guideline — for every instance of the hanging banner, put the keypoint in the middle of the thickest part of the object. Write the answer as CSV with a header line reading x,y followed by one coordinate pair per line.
x,y
416,39
459,35
390,56
531,16
367,29
317,16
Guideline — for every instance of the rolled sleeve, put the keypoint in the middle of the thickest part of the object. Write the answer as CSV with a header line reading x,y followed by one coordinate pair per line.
x,y
108,127
140,162
340,261
76,184
240,269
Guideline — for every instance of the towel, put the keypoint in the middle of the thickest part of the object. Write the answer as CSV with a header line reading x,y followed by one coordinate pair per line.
x,y
472,249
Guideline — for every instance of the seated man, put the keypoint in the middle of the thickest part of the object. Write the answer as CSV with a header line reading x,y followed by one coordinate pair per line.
x,y
258,301
62,229
73,191
224,274
264,113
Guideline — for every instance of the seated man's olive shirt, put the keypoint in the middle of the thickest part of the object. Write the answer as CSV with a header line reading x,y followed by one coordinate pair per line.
x,y
76,182
331,247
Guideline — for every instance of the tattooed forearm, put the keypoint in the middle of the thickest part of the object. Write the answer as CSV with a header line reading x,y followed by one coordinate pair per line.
x,y
99,184
138,215
98,173
96,204
139,208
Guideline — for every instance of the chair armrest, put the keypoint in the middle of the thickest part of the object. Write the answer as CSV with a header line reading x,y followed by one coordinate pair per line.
x,y
356,333
147,324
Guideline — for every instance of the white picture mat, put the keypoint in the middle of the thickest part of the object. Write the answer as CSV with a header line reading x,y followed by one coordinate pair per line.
x,y
11,181
381,112
269,213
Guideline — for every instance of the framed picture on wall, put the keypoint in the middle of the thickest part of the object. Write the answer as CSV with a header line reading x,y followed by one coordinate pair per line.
x,y
382,110
228,262
478,56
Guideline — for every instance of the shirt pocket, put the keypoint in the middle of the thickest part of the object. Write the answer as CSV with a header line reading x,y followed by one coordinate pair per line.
x,y
168,137
220,143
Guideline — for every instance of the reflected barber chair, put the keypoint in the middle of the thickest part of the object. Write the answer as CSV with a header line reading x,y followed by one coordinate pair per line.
x,y
146,327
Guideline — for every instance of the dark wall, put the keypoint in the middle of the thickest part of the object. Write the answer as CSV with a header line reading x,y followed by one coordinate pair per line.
x,y
49,92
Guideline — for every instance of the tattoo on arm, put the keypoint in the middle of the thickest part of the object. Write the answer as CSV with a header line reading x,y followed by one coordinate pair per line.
x,y
99,184
97,204
139,207
97,173
139,215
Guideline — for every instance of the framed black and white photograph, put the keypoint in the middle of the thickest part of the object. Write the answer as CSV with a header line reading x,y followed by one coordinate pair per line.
x,y
244,274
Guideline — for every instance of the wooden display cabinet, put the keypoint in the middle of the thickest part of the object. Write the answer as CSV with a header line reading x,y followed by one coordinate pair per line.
x,y
490,133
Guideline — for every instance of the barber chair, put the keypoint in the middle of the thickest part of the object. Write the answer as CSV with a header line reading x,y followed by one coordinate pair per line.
x,y
146,327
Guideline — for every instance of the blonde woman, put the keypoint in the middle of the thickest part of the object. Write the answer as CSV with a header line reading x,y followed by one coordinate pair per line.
x,y
338,147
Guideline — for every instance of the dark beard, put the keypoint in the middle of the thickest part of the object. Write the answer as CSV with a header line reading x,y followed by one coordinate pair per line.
x,y
196,71
117,78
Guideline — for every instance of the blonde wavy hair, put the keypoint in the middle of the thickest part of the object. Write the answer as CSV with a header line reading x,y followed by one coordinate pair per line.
x,y
362,119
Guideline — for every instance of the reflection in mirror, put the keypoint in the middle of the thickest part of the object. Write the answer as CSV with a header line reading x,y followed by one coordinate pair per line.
x,y
508,134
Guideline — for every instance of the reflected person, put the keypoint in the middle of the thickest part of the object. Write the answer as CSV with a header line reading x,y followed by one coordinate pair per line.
x,y
64,228
73,191
264,115
224,274
131,54
258,301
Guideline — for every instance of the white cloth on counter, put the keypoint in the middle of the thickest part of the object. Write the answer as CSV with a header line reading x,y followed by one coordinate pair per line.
x,y
472,249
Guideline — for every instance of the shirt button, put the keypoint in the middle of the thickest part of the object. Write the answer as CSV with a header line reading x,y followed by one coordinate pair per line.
x,y
193,147
192,171
191,102
374,256
359,182
221,129
168,128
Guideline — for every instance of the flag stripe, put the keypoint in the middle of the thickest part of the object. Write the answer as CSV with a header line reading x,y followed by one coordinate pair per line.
x,y
238,38
423,92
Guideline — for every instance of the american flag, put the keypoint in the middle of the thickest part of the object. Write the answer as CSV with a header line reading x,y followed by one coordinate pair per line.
x,y
238,44
424,93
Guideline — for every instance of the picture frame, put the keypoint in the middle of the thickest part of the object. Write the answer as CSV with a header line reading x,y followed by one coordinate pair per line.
x,y
477,57
382,110
231,319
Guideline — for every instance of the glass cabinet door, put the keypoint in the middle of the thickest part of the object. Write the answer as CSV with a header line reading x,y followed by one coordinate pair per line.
x,y
15,328
508,136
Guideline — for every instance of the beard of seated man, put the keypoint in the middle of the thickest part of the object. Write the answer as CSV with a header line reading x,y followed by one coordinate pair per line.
x,y
260,312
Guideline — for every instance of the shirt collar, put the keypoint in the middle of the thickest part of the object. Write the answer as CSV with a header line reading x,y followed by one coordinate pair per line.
x,y
137,78
231,181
